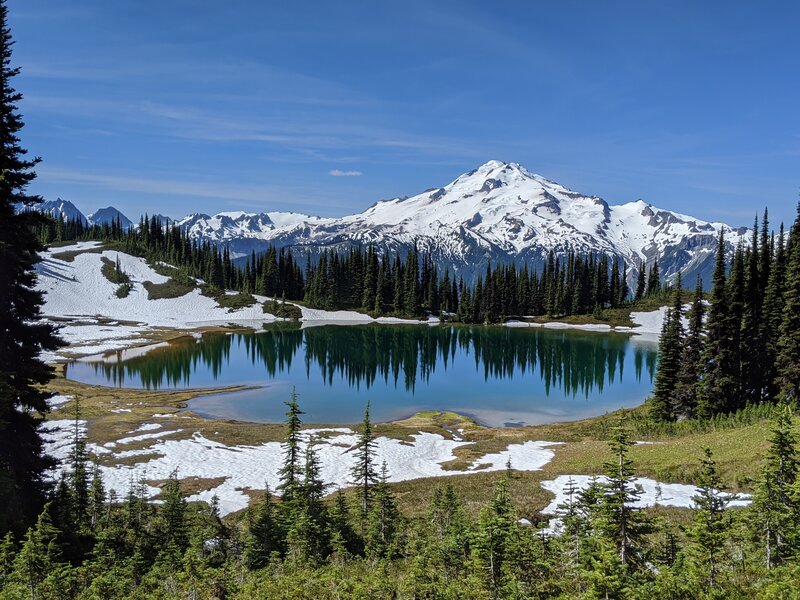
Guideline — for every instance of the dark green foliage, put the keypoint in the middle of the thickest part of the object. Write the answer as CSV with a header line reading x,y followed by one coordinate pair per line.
x,y
383,532
113,271
718,382
306,546
788,346
23,335
292,470
620,523
265,535
777,512
710,529
176,287
748,351
663,404
364,473
685,394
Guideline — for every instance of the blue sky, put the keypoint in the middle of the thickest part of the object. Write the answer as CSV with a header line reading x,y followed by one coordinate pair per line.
x,y
181,106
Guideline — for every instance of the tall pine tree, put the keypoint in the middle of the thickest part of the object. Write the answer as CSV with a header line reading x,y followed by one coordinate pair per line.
x,y
23,335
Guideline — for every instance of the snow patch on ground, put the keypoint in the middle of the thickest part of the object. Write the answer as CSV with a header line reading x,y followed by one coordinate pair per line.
x,y
528,456
653,493
58,401
250,467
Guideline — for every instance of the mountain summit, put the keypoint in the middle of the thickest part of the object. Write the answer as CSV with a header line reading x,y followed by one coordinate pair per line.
x,y
498,213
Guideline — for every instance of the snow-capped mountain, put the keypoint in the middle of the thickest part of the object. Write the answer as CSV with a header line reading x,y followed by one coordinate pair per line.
x,y
107,216
500,212
63,209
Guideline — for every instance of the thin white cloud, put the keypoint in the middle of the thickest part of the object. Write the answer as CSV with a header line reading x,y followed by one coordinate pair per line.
x,y
340,173
241,194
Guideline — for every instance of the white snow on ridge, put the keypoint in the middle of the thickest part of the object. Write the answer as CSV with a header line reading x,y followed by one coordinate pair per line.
x,y
499,207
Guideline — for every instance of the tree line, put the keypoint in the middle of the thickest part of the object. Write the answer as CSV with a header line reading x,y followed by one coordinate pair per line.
x,y
382,282
741,348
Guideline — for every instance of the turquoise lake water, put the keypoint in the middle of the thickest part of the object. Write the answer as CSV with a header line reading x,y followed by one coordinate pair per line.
x,y
500,376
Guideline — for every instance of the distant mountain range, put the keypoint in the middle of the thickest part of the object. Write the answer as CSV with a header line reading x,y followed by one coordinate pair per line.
x,y
498,213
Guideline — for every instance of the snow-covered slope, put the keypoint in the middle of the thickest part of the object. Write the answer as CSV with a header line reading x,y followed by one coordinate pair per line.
x,y
500,212
76,291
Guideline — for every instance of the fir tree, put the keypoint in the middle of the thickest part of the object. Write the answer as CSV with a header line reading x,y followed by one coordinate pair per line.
x,y
172,525
640,282
490,541
710,523
718,386
618,520
654,280
39,555
7,554
688,377
662,404
23,336
788,347
383,531
364,474
264,534
776,508
292,470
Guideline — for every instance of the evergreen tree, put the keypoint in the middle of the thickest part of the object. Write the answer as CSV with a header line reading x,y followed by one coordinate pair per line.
x,y
777,512
364,474
345,543
292,469
662,404
788,347
711,524
618,520
172,527
490,542
640,282
384,521
39,555
23,335
773,315
718,385
308,535
654,280
688,376
7,554
264,534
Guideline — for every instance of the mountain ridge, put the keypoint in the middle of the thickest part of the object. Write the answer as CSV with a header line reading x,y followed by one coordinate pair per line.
x,y
498,213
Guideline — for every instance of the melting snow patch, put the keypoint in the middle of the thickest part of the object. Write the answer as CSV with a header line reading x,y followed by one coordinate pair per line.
x,y
250,467
147,427
653,493
58,401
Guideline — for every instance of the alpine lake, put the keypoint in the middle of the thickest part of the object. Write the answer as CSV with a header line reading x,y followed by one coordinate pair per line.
x,y
499,376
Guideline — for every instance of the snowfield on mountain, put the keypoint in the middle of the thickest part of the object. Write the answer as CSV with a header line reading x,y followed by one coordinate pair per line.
x,y
498,213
